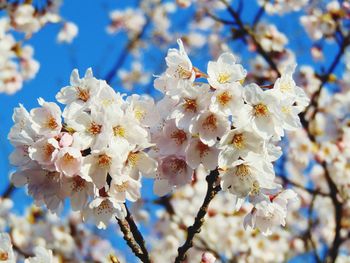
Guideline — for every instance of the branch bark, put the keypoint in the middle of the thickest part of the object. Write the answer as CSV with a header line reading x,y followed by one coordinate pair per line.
x,y
212,190
9,190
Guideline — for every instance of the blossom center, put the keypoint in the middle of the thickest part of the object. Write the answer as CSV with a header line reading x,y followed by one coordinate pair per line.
x,y
139,114
83,94
49,149
202,148
95,128
133,158
223,78
183,73
179,136
177,166
224,98
104,207
190,105
4,256
104,160
122,187
67,158
238,141
78,184
261,110
51,123
285,87
210,123
242,170
119,131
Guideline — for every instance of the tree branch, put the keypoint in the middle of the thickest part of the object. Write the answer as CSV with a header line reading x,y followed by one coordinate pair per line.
x,y
338,209
250,32
286,180
212,190
137,234
128,237
9,190
324,79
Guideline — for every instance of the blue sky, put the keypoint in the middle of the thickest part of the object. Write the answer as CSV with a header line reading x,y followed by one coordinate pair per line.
x,y
95,48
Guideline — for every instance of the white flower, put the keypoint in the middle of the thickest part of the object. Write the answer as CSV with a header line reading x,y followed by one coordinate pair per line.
x,y
43,186
99,163
238,143
44,151
225,71
267,214
140,163
247,176
24,19
102,209
179,64
143,109
286,88
78,190
263,112
78,95
46,120
193,101
6,251
89,130
172,140
68,32
125,188
131,20
199,153
21,132
209,126
42,255
68,161
125,128
173,171
228,99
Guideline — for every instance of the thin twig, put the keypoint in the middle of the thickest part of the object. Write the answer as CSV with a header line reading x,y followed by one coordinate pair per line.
x,y
218,19
124,53
259,14
212,190
250,32
309,190
308,233
324,79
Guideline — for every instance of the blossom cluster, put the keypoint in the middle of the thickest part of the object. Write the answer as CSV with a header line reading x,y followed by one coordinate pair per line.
x,y
39,236
97,154
17,63
94,157
221,124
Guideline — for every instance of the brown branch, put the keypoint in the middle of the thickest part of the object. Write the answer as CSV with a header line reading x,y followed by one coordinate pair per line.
x,y
128,237
249,31
286,180
259,14
9,190
324,79
308,233
137,235
338,209
212,190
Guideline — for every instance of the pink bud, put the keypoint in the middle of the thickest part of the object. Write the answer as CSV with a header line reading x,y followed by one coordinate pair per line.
x,y
208,257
